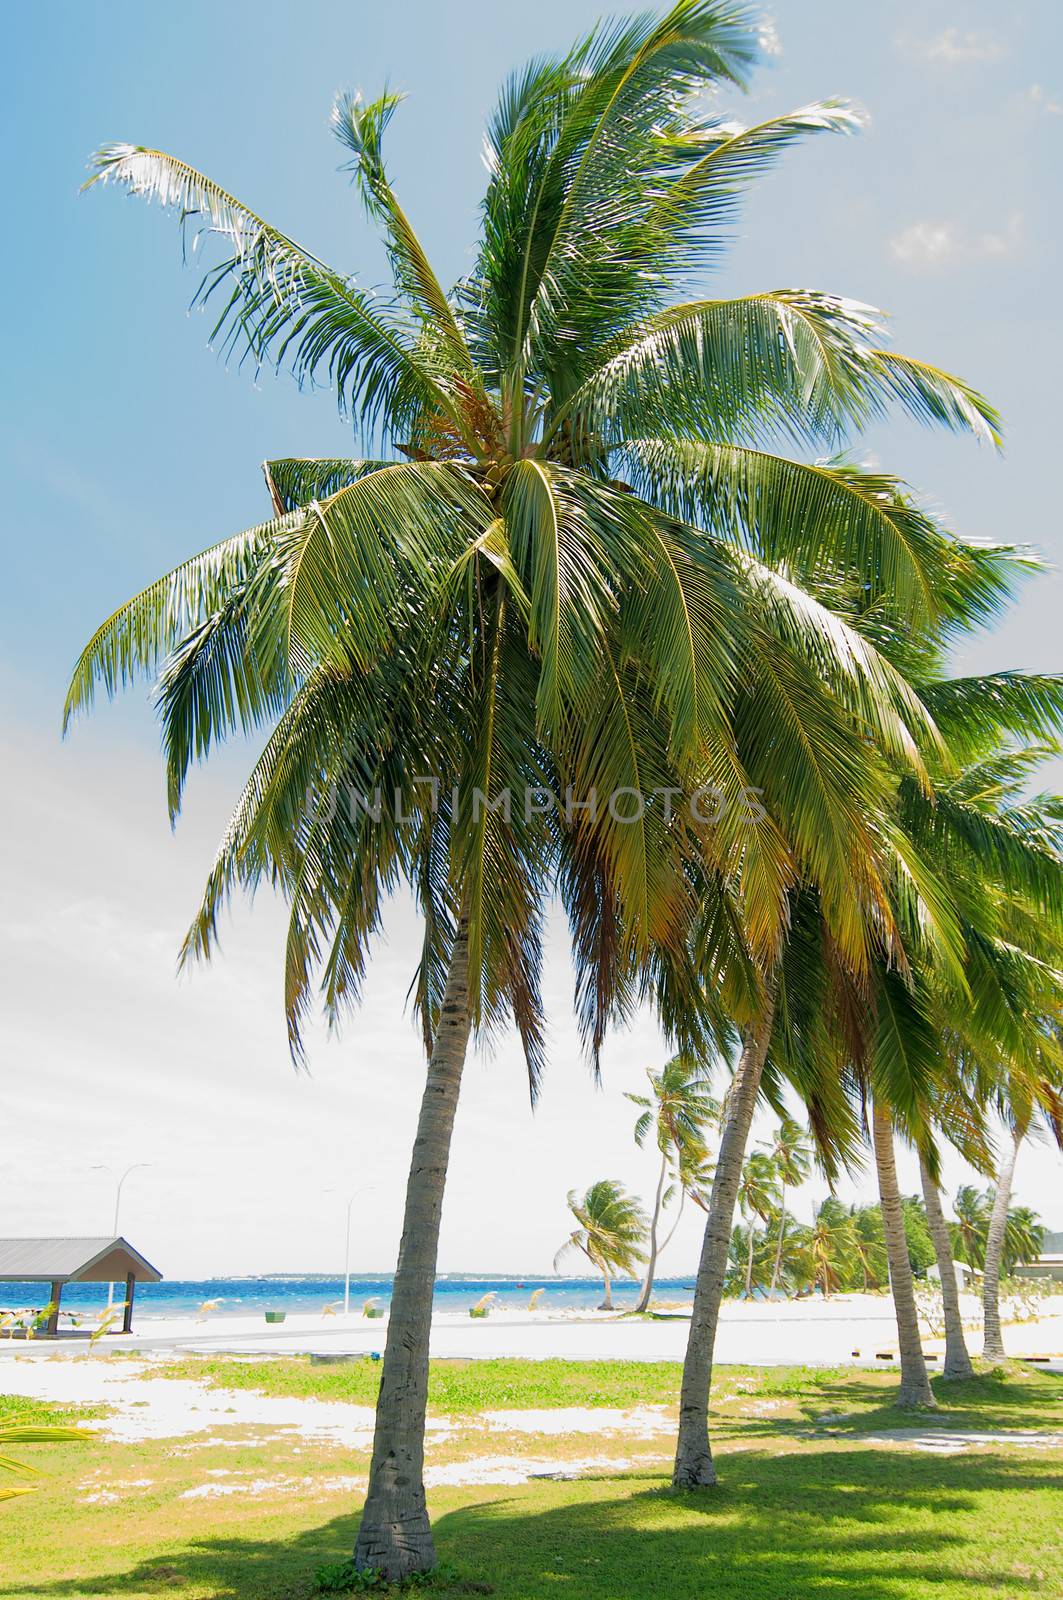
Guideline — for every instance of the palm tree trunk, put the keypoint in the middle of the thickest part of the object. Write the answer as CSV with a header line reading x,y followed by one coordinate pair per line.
x,y
915,1385
993,1343
749,1264
651,1262
957,1360
607,1301
693,1458
394,1536
777,1265
678,1218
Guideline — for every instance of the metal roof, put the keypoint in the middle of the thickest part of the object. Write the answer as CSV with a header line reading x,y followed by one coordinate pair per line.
x,y
69,1259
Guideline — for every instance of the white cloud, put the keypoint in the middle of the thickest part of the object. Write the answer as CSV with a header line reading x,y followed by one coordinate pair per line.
x,y
1042,101
953,48
770,43
925,244
930,245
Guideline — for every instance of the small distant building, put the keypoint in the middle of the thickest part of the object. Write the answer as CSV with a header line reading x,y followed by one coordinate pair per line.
x,y
966,1277
1049,1263
58,1262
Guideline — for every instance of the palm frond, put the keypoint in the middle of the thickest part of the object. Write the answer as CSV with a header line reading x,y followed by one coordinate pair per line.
x,y
285,305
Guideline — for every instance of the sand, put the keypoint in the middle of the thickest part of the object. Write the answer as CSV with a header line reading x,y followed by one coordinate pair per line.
x,y
141,1404
847,1329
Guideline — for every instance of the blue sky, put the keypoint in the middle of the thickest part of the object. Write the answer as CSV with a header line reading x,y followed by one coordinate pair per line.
x,y
127,445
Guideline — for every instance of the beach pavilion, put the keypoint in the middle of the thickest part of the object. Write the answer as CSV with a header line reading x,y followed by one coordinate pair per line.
x,y
61,1261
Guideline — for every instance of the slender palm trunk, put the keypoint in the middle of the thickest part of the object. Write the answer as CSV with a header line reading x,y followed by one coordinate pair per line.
x,y
395,1537
993,1344
607,1299
651,1262
777,1264
957,1360
915,1385
678,1218
749,1263
693,1459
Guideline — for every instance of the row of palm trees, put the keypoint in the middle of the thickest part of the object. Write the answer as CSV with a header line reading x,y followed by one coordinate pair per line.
x,y
842,1248
588,555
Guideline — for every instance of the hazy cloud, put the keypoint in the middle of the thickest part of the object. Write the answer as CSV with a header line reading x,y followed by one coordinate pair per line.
x,y
1038,97
929,245
953,48
770,43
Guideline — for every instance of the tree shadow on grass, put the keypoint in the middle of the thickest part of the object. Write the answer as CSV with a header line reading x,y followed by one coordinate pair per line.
x,y
857,1525
1020,1400
862,1526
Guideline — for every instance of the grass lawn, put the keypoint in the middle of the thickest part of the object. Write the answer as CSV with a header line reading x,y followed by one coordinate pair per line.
x,y
806,1505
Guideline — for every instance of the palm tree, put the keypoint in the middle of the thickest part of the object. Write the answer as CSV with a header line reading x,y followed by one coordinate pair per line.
x,y
957,1362
827,1242
1024,1238
915,1387
1023,1234
793,1162
676,1112
867,1245
996,1231
972,1207
758,1197
611,1232
553,568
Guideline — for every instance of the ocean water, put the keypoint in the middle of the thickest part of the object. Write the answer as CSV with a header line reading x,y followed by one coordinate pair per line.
x,y
309,1293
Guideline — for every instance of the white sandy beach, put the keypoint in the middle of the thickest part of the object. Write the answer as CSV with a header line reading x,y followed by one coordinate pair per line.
x,y
853,1329
496,1446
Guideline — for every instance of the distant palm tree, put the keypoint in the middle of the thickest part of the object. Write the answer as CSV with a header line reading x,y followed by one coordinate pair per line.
x,y
676,1112
1024,1238
611,1232
826,1246
792,1157
972,1207
758,1196
867,1245
1023,1231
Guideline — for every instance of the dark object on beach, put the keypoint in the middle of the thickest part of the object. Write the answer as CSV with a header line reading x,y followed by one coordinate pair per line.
x,y
276,1316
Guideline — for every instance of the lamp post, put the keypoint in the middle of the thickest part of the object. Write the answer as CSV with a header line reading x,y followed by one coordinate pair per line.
x,y
347,1248
136,1166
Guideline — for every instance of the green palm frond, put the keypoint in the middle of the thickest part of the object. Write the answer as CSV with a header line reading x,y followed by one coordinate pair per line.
x,y
811,516
284,305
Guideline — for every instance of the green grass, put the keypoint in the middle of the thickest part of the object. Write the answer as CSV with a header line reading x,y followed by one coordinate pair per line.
x,y
465,1388
42,1413
455,1388
803,1508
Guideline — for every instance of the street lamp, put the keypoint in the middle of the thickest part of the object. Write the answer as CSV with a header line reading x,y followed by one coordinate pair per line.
x,y
347,1248
136,1166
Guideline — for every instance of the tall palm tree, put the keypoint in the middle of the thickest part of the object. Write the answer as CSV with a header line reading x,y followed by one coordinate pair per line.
x,y
957,1362
559,563
996,1229
915,1387
758,1197
792,1158
676,1112
611,1232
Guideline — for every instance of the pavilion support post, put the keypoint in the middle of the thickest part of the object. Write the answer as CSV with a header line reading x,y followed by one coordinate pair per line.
x,y
54,1298
127,1317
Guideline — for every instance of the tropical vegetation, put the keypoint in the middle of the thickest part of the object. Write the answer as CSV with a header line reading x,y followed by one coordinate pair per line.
x,y
610,1231
589,614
